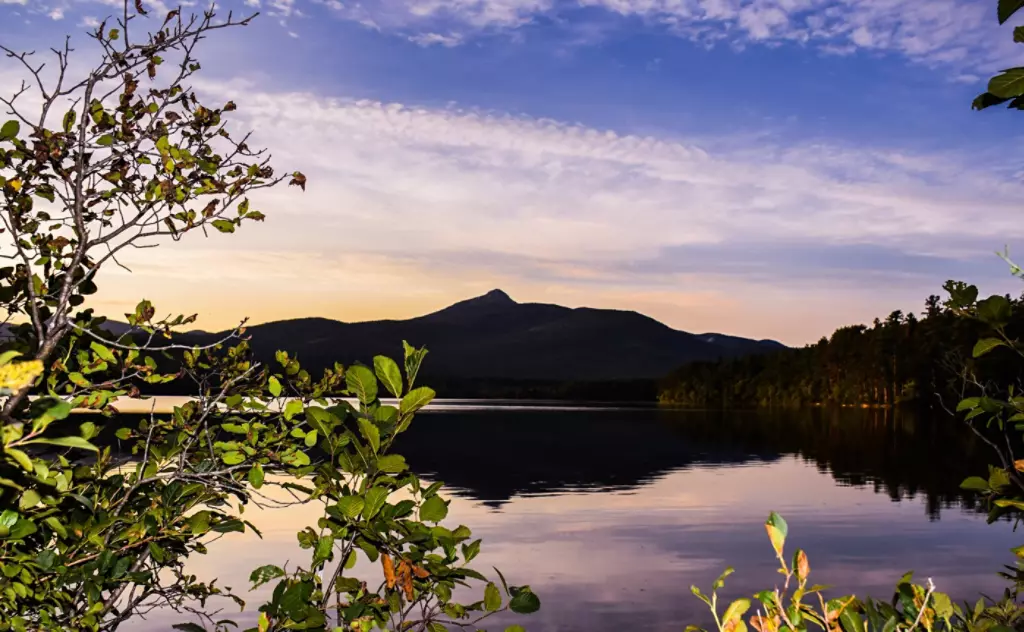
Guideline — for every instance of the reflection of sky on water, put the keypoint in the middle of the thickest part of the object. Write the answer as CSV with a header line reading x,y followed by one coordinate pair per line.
x,y
625,559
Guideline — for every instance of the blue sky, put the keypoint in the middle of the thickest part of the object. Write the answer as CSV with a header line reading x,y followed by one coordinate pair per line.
x,y
774,168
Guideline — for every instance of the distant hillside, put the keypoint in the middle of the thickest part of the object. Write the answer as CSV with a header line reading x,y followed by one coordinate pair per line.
x,y
902,359
494,337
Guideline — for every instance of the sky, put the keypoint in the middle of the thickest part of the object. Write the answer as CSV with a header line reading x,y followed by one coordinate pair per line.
x,y
764,168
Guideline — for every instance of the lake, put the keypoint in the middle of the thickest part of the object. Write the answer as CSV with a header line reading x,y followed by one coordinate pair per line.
x,y
611,514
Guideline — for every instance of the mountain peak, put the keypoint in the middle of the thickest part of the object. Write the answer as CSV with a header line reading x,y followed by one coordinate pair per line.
x,y
494,297
492,302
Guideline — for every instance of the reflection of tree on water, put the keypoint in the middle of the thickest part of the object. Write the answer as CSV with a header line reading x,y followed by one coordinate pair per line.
x,y
494,455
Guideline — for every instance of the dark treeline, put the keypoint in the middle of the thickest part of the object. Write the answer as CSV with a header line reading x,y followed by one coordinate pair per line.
x,y
903,359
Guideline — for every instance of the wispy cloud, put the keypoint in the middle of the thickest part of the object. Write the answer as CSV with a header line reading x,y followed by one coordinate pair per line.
x,y
432,39
453,201
961,34
945,32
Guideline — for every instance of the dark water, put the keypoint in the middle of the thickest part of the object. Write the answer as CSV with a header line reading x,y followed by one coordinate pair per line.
x,y
610,515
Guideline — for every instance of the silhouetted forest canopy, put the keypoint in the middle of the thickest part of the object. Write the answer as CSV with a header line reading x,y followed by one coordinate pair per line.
x,y
903,359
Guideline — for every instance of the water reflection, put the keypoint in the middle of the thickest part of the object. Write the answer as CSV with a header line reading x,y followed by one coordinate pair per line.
x,y
611,515
497,454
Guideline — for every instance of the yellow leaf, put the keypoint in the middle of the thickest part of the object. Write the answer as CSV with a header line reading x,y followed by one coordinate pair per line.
x,y
17,375
15,184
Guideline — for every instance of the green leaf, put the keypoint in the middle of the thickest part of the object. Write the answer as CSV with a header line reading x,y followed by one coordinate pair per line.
x,y
29,498
46,559
361,381
224,225
942,605
310,439
69,120
515,628
851,621
21,529
351,506
371,551
292,408
492,597
57,527
21,458
392,464
504,584
297,458
389,374
324,549
968,403
1007,8
524,602
777,531
188,627
256,476
998,479
105,141
103,352
8,518
995,310
720,582
114,34
433,509
416,399
264,574
371,432
199,522
975,483
274,386
58,410
10,130
1008,84
736,609
413,360
985,345
471,550
375,499
232,457
67,442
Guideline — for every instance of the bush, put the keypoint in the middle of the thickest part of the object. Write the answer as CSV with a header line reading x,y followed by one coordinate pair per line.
x,y
92,536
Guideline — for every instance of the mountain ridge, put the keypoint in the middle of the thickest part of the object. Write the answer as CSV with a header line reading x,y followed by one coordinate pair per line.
x,y
492,336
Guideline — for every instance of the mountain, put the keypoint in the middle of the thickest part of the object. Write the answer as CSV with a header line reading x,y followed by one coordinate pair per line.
x,y
494,337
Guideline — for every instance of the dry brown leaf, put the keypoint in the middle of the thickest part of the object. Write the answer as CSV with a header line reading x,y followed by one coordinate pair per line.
x,y
389,570
803,566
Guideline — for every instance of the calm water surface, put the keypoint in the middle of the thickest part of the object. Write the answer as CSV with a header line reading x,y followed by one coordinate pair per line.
x,y
610,515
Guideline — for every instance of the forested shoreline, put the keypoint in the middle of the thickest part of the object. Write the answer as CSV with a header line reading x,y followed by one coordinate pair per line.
x,y
904,359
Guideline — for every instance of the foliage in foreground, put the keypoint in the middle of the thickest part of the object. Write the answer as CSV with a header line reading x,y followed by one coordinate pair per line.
x,y
797,605
92,537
